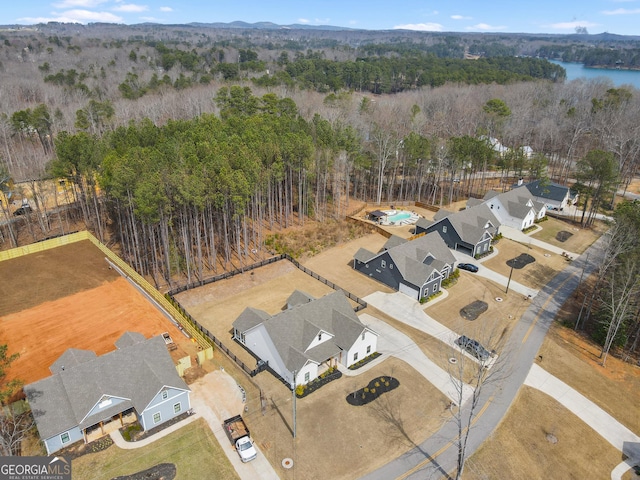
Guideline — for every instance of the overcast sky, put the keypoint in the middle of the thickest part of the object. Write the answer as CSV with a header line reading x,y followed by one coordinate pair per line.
x,y
542,16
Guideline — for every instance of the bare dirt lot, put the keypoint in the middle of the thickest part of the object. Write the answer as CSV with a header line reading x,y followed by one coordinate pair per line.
x,y
76,302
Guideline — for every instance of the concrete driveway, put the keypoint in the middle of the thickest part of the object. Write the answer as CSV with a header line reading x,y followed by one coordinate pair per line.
x,y
489,274
395,343
410,312
216,397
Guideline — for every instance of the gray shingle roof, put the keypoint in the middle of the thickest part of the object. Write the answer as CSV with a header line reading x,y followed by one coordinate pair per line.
x,y
394,241
410,257
550,190
364,255
136,373
71,358
442,213
424,223
470,223
129,338
293,330
298,297
249,318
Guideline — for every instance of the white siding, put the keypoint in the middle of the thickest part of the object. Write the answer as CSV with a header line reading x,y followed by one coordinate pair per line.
x,y
360,347
259,342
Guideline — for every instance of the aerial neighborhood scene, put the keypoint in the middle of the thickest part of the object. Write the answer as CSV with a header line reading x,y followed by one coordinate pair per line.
x,y
319,241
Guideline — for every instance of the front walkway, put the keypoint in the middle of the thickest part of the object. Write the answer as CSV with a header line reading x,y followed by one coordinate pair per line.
x,y
214,397
608,427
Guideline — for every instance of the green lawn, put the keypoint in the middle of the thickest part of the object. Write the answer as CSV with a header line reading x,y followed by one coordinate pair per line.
x,y
193,449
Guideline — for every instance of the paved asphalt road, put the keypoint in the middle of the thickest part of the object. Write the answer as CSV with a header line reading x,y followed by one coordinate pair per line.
x,y
437,456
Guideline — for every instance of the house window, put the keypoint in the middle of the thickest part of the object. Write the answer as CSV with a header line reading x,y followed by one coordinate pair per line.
x,y
165,395
444,229
367,265
355,356
435,287
306,377
368,349
177,408
383,264
391,266
486,246
363,335
157,417
320,336
64,438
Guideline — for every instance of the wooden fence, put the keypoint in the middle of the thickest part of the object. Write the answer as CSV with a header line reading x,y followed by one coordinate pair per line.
x,y
152,293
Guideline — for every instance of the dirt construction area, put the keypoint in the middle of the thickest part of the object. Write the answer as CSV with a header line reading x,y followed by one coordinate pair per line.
x,y
69,297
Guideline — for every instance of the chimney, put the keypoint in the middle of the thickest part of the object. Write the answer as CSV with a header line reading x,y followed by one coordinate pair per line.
x,y
520,181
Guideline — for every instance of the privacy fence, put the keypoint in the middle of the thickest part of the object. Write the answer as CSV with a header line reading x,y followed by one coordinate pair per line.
x,y
161,300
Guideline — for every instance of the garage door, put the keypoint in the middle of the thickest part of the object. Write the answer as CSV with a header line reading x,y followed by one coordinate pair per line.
x,y
410,291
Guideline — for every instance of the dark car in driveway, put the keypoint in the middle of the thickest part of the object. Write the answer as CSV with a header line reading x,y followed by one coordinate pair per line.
x,y
23,210
473,347
469,267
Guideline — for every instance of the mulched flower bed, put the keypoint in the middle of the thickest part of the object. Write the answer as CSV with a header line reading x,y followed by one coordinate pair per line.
x,y
317,383
474,310
376,387
563,236
521,261
364,361
162,471
139,435
80,448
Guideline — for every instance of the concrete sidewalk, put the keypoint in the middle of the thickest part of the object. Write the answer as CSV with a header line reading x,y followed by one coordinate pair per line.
x,y
410,312
392,342
608,427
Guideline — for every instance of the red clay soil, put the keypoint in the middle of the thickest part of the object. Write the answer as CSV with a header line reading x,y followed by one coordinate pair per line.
x,y
68,297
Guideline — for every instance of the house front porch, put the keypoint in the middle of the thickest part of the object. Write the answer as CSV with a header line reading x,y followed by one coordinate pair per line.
x,y
105,427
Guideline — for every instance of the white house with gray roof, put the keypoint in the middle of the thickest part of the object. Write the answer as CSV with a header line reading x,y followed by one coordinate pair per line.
x,y
308,337
86,391
515,208
415,268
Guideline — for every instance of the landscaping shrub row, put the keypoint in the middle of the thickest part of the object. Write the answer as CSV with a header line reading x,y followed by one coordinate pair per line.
x,y
364,361
326,377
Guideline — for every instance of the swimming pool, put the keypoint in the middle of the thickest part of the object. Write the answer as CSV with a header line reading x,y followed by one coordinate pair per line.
x,y
394,217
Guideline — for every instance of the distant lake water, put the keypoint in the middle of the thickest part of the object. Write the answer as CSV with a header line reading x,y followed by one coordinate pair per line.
x,y
618,77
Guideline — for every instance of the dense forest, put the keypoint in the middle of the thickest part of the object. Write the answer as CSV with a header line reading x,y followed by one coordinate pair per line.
x,y
189,149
